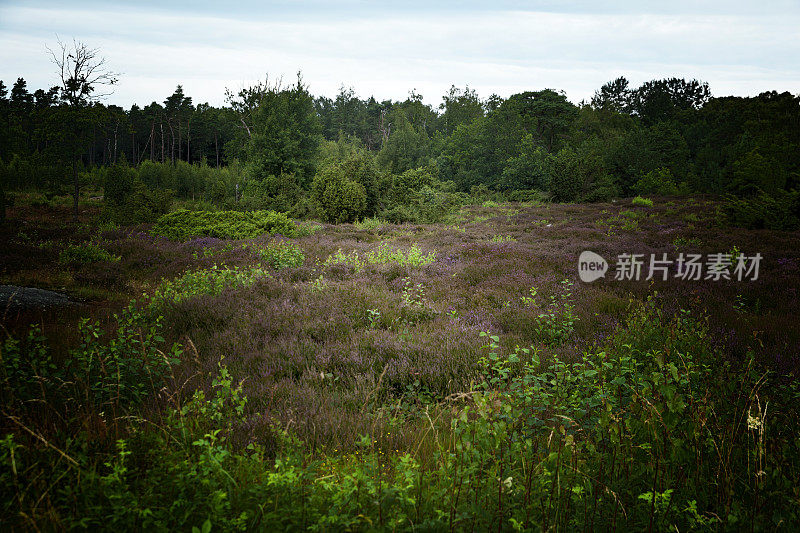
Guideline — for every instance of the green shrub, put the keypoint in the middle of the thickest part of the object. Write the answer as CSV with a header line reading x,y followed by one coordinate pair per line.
x,y
780,211
209,281
603,190
660,181
279,254
566,178
653,430
337,198
383,254
411,180
642,201
401,214
184,224
121,370
85,253
136,204
370,224
268,192
528,195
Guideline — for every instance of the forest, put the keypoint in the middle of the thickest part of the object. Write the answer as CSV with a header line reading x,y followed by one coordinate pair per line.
x,y
298,312
276,146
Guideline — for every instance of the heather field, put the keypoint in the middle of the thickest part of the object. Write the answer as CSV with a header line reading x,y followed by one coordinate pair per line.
x,y
375,376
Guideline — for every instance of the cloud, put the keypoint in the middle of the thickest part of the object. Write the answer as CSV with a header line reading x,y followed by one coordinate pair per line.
x,y
493,51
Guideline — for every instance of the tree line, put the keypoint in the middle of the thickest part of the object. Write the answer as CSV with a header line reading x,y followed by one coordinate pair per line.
x,y
281,147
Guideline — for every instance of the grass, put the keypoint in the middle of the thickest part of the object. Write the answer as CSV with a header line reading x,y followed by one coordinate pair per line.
x,y
453,378
381,255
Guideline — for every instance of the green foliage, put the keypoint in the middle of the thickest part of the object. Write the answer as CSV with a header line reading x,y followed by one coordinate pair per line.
x,y
555,322
646,202
118,184
209,281
528,195
359,167
411,180
279,254
113,370
566,181
337,198
753,173
780,211
276,193
370,224
85,253
528,170
650,430
284,134
642,150
132,202
383,254
660,181
683,242
406,147
184,224
425,201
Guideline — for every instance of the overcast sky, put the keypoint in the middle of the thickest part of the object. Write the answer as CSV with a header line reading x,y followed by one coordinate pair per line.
x,y
382,49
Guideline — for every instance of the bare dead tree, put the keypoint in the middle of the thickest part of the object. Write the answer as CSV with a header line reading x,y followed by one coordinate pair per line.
x,y
85,79
82,72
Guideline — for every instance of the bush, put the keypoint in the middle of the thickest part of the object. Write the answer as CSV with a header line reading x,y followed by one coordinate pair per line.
x,y
654,432
780,211
661,182
408,181
129,201
279,254
208,282
117,373
337,198
528,195
275,193
642,201
370,224
401,214
118,185
85,253
382,255
182,225
603,190
566,180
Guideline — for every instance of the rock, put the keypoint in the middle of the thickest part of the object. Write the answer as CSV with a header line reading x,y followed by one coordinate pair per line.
x,y
14,298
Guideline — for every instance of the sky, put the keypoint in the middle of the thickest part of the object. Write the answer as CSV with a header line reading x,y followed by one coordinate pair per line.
x,y
386,49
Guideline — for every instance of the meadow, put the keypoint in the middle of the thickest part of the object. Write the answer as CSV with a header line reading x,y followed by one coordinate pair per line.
x,y
377,376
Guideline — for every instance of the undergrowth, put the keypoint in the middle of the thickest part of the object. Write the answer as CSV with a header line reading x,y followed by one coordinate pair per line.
x,y
86,253
652,430
383,254
184,224
207,281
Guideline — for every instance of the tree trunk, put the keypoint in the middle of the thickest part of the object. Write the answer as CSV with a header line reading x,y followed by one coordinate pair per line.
x,y
189,141
171,143
216,147
76,186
